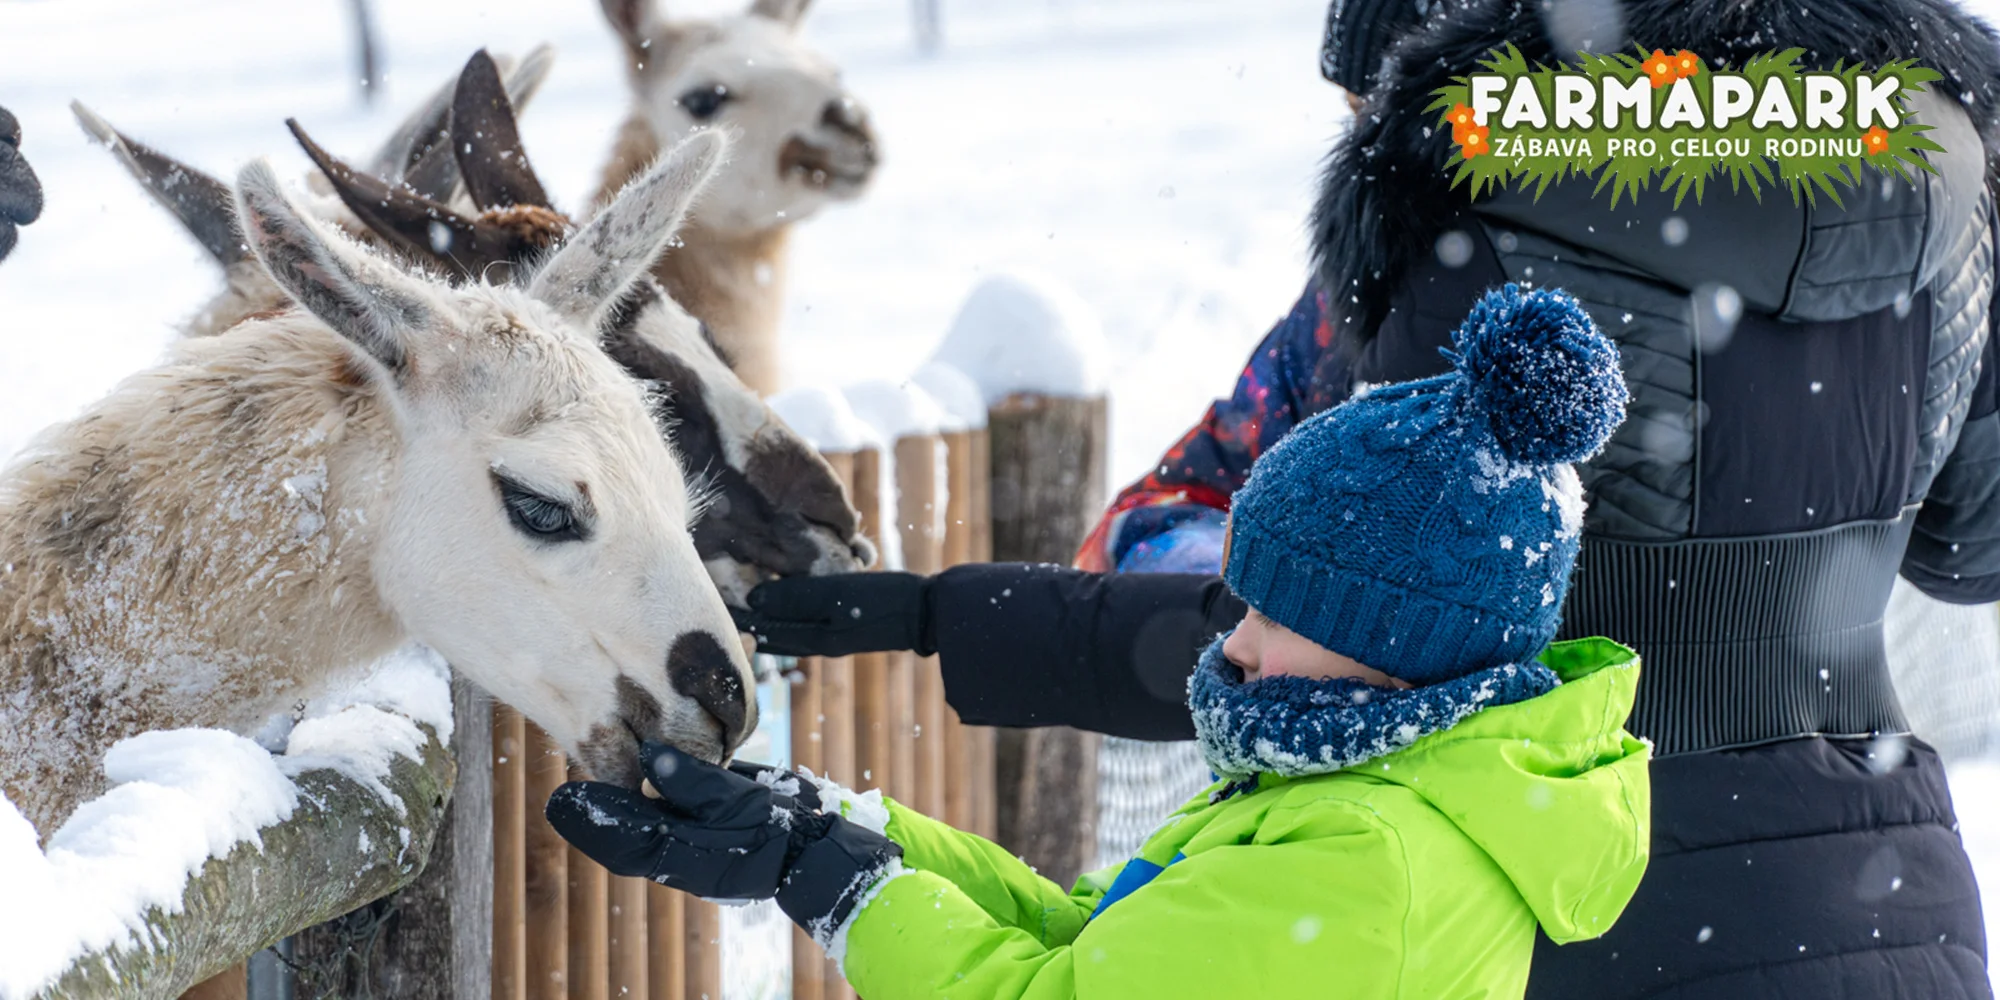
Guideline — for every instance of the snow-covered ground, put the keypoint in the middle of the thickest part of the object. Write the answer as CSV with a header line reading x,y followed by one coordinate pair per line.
x,y
1156,155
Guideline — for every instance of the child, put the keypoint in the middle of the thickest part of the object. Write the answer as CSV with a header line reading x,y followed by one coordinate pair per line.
x,y
1411,776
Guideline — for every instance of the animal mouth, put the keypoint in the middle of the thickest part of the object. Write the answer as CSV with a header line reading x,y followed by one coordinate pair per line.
x,y
824,169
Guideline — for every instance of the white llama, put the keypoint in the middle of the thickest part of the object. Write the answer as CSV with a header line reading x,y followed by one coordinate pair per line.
x,y
778,509
272,508
802,142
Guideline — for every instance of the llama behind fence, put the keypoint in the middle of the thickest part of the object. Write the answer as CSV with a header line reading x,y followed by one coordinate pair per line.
x,y
803,143
248,524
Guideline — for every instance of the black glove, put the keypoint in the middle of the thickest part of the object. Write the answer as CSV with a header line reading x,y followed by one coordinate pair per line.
x,y
840,615
20,192
741,832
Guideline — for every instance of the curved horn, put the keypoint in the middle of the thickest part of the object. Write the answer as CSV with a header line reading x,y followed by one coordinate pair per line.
x,y
205,207
412,223
426,130
487,142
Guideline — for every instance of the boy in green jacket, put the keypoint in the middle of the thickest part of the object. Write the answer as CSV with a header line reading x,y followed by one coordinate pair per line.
x,y
1411,776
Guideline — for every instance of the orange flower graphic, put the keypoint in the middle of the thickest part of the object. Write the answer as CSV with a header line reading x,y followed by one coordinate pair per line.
x,y
1473,141
1660,69
1686,64
1875,140
1461,119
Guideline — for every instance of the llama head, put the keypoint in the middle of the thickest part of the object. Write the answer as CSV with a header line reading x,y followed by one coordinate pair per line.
x,y
776,508
533,523
801,139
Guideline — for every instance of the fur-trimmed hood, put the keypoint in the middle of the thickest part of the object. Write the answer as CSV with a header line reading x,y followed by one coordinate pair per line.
x,y
1384,197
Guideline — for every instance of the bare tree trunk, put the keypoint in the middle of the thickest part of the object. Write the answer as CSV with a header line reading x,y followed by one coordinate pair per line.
x,y
1048,481
342,847
928,22
364,36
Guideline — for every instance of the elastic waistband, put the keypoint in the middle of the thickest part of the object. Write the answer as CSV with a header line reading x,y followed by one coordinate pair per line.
x,y
1749,640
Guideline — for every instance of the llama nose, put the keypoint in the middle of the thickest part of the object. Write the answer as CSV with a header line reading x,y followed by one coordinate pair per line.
x,y
845,114
699,668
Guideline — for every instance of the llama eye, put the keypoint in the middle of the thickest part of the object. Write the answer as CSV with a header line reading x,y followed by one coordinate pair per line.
x,y
704,102
539,517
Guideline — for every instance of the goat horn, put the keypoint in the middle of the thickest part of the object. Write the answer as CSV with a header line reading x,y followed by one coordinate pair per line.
x,y
204,206
412,223
487,141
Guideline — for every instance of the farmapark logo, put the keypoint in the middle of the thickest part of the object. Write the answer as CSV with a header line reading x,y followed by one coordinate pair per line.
x,y
1621,119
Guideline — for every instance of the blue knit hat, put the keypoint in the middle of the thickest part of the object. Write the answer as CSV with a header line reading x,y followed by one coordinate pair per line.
x,y
1427,529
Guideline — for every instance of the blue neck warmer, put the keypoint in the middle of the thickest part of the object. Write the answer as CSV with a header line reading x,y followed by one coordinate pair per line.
x,y
1296,726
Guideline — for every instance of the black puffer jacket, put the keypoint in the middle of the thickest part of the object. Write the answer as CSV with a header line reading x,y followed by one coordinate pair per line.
x,y
1813,412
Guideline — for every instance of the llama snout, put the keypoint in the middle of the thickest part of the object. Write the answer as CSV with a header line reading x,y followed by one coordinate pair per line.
x,y
700,668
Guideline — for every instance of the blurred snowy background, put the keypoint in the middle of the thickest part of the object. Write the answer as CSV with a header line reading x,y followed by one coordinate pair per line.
x,y
1157,155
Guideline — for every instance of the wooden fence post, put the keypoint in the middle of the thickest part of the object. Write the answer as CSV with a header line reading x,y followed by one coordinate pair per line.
x,y
961,793
981,749
547,880
510,845
666,943
630,971
874,705
1048,481
589,930
920,525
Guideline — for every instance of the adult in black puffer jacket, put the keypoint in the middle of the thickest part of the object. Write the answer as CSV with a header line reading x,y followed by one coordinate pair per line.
x,y
20,192
1747,522
1814,412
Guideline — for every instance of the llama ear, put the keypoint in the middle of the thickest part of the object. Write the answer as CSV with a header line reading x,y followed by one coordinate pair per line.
x,y
596,268
202,204
630,19
788,12
371,304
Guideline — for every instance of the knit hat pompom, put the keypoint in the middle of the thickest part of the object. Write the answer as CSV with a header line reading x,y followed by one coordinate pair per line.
x,y
1544,379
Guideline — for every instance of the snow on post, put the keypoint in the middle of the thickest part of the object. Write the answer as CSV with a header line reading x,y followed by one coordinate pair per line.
x,y
1024,333
961,399
1037,353
209,847
823,417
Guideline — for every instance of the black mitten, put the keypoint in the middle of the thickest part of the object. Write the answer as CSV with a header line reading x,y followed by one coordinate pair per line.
x,y
840,615
713,832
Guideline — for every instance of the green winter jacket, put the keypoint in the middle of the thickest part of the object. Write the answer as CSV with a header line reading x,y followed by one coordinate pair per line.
x,y
1420,874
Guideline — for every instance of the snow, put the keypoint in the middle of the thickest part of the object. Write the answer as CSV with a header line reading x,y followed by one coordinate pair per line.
x,y
956,393
821,415
895,409
181,797
1027,332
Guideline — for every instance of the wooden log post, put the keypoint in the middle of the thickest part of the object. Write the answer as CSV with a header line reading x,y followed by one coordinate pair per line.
x,y
666,943
589,927
981,749
959,793
1048,482
701,923
630,969
920,515
232,984
434,937
547,878
874,704
510,845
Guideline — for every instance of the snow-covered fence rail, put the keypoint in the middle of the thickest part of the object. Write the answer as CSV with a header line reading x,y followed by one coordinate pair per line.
x,y
354,829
